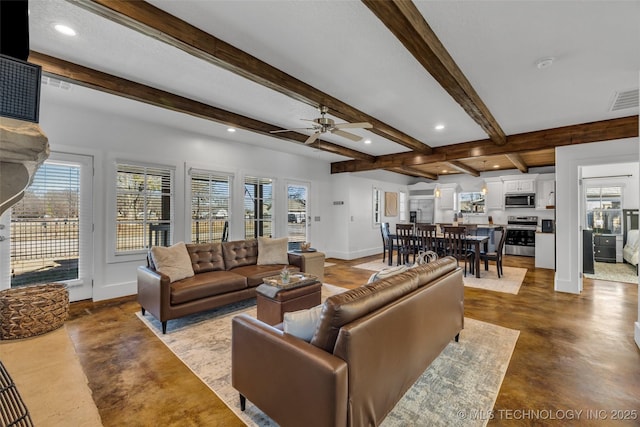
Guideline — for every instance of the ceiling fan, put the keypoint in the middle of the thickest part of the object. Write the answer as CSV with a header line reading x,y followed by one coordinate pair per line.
x,y
324,124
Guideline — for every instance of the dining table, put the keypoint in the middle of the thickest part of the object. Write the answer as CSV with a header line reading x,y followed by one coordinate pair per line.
x,y
471,240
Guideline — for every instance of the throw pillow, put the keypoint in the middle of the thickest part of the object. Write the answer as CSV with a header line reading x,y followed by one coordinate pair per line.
x,y
387,272
272,251
174,261
302,323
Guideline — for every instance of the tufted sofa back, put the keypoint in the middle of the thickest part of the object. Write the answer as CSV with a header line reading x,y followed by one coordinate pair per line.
x,y
205,257
239,253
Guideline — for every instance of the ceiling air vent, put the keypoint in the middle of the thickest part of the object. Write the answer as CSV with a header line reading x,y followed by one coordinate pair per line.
x,y
624,100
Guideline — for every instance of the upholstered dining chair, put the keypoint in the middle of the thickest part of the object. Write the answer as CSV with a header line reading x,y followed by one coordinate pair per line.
x,y
456,246
497,254
426,238
406,243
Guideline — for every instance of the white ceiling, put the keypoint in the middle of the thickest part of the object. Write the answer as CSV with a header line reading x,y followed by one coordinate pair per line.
x,y
341,48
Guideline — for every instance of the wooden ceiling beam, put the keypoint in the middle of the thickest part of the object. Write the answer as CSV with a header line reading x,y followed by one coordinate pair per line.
x,y
605,130
153,22
463,168
413,172
406,22
121,87
518,162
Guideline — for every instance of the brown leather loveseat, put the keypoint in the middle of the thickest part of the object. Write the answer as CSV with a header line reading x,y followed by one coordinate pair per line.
x,y
371,344
224,273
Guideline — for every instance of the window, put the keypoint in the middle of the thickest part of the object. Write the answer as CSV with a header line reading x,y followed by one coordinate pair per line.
x,y
258,205
377,206
50,228
604,209
144,207
45,227
210,201
403,206
296,215
472,203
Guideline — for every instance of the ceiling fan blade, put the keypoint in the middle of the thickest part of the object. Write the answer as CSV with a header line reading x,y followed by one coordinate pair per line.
x,y
347,135
312,138
361,125
289,130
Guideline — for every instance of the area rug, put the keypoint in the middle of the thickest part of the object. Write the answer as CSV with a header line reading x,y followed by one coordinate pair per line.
x,y
510,281
614,272
49,377
329,264
464,379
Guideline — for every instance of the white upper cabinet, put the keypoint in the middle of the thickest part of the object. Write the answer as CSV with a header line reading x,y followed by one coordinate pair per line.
x,y
520,186
447,198
495,195
448,195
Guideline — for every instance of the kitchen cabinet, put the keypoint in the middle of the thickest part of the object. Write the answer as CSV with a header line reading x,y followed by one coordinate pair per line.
x,y
520,186
494,199
546,250
447,198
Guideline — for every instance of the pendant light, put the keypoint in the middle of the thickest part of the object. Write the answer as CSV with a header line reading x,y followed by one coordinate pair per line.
x,y
484,183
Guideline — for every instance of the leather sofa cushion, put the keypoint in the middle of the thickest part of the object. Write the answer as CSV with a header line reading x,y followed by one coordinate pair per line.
x,y
205,257
256,273
338,310
239,253
205,285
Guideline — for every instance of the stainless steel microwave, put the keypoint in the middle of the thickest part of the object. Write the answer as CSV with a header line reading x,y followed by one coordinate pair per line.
x,y
520,200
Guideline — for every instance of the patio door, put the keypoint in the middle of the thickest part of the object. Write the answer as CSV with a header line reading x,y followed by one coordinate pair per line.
x,y
297,214
48,233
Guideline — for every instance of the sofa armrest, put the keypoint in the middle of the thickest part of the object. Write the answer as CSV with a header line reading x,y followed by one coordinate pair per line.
x,y
292,381
154,291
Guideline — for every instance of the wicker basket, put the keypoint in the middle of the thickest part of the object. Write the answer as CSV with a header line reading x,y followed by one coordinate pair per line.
x,y
32,310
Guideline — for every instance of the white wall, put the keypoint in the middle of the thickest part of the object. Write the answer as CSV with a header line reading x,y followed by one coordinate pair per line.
x,y
355,233
570,161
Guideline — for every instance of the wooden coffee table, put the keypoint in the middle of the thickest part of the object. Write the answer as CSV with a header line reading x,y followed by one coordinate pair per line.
x,y
274,301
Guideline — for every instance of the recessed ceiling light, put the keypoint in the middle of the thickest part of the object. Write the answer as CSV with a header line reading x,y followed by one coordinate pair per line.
x,y
544,62
231,130
64,29
496,166
367,141
444,171
439,127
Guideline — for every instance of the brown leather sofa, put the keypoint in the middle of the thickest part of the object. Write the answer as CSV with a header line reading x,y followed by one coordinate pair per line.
x,y
372,343
224,273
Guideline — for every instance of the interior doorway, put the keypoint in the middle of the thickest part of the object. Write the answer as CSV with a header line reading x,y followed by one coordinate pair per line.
x,y
609,220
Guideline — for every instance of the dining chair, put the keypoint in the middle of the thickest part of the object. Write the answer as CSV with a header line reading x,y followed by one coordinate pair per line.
x,y
405,242
456,246
497,254
471,229
426,238
386,240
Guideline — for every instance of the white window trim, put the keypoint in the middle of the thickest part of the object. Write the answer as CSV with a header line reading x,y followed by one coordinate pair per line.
x,y
110,241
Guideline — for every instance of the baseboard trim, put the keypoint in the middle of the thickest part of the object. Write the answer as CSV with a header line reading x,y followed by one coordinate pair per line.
x,y
115,290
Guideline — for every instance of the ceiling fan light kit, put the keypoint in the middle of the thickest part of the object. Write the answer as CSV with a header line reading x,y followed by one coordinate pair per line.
x,y
324,124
